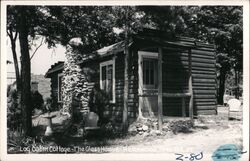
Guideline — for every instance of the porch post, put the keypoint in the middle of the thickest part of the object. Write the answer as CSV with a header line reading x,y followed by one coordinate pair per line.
x,y
160,89
190,85
183,106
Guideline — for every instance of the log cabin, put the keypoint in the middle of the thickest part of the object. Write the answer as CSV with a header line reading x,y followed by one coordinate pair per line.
x,y
167,76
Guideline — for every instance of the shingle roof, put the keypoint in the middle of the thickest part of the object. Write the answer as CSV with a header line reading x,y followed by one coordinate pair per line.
x,y
120,46
54,68
117,47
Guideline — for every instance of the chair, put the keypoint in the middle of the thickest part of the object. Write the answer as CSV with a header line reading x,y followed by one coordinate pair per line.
x,y
91,123
234,107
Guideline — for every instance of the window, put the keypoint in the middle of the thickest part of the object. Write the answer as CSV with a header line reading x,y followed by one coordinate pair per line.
x,y
107,78
60,87
149,72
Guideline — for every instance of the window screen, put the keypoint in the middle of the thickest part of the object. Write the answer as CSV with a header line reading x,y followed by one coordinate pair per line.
x,y
107,79
149,71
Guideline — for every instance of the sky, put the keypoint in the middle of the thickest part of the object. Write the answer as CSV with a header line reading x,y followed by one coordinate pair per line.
x,y
42,60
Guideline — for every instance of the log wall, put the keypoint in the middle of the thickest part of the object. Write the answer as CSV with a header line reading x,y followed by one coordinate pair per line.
x,y
175,80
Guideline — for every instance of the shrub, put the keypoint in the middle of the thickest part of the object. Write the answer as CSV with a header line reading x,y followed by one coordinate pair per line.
x,y
36,100
47,105
181,126
98,103
110,130
16,140
14,117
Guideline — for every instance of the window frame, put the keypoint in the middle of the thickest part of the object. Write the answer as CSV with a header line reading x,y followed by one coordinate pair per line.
x,y
60,75
146,55
150,67
106,63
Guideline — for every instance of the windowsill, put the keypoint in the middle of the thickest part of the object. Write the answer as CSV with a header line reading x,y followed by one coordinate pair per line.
x,y
112,102
150,88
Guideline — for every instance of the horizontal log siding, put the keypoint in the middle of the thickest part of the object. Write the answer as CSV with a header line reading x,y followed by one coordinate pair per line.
x,y
204,81
54,91
114,112
175,80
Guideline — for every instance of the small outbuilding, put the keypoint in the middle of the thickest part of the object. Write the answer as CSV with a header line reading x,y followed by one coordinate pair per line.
x,y
55,75
167,76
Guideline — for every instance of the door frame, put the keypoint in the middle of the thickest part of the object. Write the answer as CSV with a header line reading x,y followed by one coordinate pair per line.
x,y
141,55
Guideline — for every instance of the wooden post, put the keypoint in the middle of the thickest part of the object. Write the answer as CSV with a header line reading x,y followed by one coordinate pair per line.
x,y
183,104
160,89
125,97
190,85
126,79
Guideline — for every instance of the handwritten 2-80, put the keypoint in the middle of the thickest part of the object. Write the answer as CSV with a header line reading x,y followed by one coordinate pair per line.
x,y
190,157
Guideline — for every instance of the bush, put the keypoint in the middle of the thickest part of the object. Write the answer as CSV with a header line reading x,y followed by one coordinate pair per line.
x,y
110,130
181,126
36,100
14,117
16,141
99,103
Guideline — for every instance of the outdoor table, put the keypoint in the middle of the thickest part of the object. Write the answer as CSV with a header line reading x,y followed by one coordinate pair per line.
x,y
49,130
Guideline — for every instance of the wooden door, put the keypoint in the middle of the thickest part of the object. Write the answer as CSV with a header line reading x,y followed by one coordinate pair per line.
x,y
148,88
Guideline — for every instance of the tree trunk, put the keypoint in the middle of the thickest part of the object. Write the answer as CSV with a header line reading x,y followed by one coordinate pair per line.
x,y
221,86
13,48
236,83
25,72
18,79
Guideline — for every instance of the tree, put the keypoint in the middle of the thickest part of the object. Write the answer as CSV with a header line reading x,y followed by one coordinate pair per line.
x,y
167,18
93,24
219,25
222,26
28,22
12,34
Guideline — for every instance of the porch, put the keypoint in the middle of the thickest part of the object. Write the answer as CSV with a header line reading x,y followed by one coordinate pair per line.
x,y
152,95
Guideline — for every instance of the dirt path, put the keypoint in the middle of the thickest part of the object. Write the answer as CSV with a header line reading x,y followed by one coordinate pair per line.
x,y
206,137
205,140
